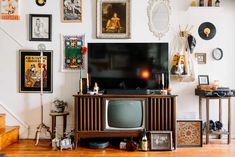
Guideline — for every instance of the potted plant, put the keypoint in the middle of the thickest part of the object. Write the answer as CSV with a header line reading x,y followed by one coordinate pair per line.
x,y
58,106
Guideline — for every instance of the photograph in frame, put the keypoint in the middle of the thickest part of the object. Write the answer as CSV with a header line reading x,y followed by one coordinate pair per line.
x,y
30,71
9,10
113,19
72,53
71,11
161,140
40,27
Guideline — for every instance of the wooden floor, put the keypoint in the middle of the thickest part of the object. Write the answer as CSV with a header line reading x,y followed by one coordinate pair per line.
x,y
26,148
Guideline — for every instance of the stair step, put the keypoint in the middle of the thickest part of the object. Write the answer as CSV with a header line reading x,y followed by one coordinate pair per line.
x,y
2,120
8,135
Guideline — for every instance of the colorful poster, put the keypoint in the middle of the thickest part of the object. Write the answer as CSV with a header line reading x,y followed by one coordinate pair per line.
x,y
30,71
9,10
73,53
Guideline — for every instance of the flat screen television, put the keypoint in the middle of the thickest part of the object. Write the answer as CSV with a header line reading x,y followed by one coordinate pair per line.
x,y
118,115
128,65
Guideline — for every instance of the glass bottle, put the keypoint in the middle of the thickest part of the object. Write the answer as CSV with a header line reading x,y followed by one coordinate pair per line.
x,y
144,142
201,3
217,3
209,4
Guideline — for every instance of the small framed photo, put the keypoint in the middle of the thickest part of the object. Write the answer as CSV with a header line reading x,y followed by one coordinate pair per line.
x,y
40,27
71,11
30,71
161,140
189,133
113,19
201,58
203,79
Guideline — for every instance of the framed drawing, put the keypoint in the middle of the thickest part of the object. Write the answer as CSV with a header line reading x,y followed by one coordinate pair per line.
x,y
161,140
73,51
189,133
201,58
113,19
71,11
30,67
203,80
9,10
40,27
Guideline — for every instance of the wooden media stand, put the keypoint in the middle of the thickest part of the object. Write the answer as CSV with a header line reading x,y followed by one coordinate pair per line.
x,y
160,115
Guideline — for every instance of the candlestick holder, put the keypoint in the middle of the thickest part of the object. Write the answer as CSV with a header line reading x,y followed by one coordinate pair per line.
x,y
80,87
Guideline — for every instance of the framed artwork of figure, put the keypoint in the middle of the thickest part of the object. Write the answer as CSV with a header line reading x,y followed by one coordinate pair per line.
x,y
40,27
71,11
113,19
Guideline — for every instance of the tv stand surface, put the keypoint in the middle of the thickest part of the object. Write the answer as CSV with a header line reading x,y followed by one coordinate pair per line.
x,y
89,116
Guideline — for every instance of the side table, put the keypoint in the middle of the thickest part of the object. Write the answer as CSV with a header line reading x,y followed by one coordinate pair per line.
x,y
208,132
53,117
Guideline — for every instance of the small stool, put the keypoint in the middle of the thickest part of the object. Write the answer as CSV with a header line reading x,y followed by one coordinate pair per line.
x,y
53,116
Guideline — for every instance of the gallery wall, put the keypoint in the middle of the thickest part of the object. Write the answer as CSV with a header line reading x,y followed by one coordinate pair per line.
x,y
26,106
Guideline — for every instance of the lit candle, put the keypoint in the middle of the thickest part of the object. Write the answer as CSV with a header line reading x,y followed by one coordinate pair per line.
x,y
162,80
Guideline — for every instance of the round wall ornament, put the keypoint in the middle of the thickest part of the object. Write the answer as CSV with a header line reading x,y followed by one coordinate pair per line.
x,y
207,31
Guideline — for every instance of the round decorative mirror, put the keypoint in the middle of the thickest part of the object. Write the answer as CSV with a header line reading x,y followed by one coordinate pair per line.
x,y
159,17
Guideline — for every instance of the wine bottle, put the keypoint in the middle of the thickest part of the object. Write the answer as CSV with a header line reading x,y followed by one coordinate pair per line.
x,y
144,142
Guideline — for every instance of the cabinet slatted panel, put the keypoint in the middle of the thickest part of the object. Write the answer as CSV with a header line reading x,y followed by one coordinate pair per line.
x,y
90,114
160,112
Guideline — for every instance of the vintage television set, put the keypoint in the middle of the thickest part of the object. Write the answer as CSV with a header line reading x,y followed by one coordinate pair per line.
x,y
126,67
124,114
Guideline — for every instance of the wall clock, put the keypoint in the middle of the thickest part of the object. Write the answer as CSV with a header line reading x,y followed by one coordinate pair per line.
x,y
40,2
217,53
207,31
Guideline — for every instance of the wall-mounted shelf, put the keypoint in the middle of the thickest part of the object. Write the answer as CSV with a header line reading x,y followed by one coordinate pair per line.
x,y
205,9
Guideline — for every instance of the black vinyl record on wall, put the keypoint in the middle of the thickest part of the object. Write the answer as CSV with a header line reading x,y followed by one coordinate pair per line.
x,y
40,2
207,31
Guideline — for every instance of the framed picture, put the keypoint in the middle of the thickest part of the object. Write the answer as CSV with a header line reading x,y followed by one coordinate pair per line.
x,y
189,133
72,54
201,58
203,79
113,19
40,27
9,10
71,11
30,71
160,140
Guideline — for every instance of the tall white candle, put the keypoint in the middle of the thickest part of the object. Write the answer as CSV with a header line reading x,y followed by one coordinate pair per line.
x,y
87,80
163,80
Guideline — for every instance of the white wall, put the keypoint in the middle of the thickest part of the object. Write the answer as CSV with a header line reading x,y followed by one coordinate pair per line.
x,y
27,106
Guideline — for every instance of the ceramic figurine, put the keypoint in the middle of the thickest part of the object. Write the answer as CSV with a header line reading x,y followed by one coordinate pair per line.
x,y
66,143
96,89
55,142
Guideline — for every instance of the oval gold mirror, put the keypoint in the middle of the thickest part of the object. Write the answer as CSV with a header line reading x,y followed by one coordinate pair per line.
x,y
159,17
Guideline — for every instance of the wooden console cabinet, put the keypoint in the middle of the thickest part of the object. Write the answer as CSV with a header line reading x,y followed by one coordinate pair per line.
x,y
89,116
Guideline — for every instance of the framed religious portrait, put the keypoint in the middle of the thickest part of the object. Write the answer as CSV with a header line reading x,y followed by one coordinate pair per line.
x,y
72,53
71,11
9,10
113,19
30,71
161,140
189,133
40,27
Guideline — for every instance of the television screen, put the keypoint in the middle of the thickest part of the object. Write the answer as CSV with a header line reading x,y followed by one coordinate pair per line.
x,y
128,65
124,114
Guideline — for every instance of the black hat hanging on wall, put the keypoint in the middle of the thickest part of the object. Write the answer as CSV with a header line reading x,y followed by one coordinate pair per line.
x,y
40,2
207,31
